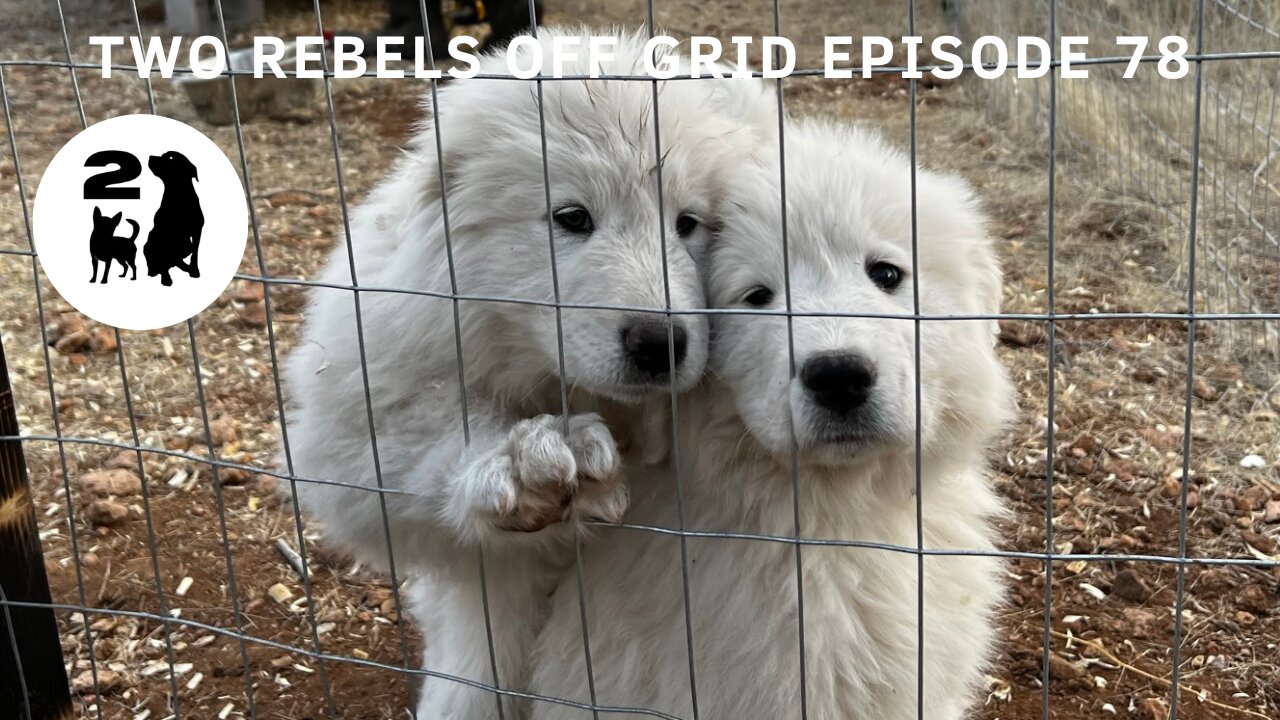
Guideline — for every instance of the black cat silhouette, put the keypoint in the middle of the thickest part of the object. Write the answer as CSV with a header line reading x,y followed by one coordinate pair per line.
x,y
105,246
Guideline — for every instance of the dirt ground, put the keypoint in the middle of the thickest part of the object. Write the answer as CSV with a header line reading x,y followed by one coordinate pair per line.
x,y
216,568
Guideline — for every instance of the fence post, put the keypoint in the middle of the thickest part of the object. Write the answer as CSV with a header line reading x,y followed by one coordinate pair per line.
x,y
32,677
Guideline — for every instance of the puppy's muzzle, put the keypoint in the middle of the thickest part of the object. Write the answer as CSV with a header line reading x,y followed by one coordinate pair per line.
x,y
650,351
839,383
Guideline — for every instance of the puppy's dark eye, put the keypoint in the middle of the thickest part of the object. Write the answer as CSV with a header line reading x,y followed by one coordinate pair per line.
x,y
886,276
686,223
575,219
759,296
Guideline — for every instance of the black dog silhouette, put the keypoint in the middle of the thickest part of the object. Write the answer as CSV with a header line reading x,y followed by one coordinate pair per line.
x,y
105,246
175,234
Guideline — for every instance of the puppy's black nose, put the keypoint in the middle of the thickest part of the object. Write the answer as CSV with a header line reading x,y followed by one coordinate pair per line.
x,y
841,382
645,344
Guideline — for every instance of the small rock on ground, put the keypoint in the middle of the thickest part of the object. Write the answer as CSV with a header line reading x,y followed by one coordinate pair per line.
x,y
107,513
1254,599
108,681
1153,709
119,482
1061,668
1264,543
1129,586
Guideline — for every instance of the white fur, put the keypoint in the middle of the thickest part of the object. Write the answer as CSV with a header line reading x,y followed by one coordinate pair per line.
x,y
522,467
849,204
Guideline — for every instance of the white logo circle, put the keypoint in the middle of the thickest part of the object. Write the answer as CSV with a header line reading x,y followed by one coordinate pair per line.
x,y
140,222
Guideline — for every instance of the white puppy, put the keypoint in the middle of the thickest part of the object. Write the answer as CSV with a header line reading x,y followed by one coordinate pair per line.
x,y
505,481
850,406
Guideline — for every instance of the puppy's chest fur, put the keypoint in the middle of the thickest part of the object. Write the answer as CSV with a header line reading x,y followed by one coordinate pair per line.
x,y
745,599
744,604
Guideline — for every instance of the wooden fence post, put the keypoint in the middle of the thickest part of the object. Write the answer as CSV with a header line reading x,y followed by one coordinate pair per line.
x,y
33,680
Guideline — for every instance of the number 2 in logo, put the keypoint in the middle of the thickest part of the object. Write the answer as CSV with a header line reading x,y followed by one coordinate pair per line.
x,y
102,185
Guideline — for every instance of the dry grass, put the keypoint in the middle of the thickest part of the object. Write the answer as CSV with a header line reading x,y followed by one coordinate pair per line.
x,y
1141,133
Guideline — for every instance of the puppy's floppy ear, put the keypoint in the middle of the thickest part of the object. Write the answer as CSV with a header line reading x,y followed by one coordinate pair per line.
x,y
458,135
978,253
700,249
962,226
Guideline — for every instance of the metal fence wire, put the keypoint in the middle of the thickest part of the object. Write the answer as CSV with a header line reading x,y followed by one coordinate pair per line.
x,y
1192,156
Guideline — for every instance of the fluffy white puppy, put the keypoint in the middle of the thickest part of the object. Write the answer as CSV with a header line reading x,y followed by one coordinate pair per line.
x,y
850,406
503,474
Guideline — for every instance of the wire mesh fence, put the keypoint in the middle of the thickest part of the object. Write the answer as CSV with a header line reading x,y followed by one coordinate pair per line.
x,y
1140,132
1188,161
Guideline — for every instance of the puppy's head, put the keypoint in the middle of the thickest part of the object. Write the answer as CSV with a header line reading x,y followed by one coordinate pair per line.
x,y
584,182
172,165
852,393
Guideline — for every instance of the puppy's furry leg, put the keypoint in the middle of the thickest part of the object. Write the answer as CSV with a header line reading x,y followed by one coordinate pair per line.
x,y
106,270
509,496
451,612
94,279
457,498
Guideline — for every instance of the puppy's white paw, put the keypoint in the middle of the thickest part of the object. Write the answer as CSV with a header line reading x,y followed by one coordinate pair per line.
x,y
547,476
602,493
